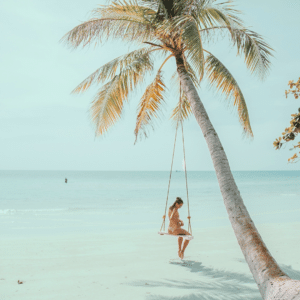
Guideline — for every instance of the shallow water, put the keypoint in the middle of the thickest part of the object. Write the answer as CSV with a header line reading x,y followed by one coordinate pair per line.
x,y
41,202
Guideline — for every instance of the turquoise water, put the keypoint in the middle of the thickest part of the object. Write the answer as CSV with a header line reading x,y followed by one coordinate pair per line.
x,y
41,202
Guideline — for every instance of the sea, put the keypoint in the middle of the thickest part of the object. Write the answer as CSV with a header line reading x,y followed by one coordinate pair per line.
x,y
40,202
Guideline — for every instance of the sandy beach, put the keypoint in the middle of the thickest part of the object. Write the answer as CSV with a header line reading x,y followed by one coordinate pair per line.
x,y
138,264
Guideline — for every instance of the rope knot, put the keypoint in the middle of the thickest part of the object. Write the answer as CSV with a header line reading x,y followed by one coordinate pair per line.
x,y
164,216
189,217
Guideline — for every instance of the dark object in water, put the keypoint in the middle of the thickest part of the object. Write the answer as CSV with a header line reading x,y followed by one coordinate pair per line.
x,y
20,282
66,180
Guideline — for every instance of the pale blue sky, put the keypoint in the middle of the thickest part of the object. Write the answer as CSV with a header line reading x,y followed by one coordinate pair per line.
x,y
43,127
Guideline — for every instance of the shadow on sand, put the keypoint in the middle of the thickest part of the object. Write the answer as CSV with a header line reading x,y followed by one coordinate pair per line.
x,y
222,284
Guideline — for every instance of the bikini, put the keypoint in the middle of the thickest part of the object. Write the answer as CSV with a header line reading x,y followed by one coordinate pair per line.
x,y
171,229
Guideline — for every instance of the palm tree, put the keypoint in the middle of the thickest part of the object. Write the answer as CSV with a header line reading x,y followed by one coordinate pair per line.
x,y
179,29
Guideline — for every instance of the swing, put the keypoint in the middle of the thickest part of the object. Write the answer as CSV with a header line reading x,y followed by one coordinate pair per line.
x,y
162,229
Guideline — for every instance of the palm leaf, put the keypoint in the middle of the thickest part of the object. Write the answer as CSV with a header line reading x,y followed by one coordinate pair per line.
x,y
138,60
209,14
194,49
256,51
132,8
182,110
120,20
220,77
107,105
223,14
149,105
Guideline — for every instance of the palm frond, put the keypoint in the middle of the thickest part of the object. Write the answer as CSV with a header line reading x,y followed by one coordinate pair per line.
x,y
209,14
138,60
132,9
149,106
194,49
256,51
222,79
182,110
107,105
127,21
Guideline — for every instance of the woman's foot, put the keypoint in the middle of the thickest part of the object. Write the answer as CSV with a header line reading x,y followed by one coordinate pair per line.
x,y
180,254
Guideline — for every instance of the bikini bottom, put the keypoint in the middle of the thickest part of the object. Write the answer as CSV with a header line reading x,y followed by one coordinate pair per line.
x,y
172,229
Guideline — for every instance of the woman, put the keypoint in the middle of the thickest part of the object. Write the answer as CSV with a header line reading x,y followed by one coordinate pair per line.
x,y
176,224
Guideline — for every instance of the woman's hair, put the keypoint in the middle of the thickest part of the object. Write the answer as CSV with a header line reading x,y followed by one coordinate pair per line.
x,y
178,200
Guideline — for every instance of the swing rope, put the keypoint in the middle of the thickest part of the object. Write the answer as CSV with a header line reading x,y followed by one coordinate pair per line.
x,y
164,216
186,183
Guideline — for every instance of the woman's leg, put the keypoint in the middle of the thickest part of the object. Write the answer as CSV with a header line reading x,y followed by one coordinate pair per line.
x,y
180,239
186,242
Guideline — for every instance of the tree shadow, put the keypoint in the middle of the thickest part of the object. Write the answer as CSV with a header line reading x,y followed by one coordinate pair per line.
x,y
203,296
196,266
294,274
220,286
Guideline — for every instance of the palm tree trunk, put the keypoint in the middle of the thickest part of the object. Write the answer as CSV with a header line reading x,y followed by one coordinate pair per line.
x,y
272,282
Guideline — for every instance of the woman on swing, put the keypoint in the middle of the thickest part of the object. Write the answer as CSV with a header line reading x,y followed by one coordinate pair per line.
x,y
176,224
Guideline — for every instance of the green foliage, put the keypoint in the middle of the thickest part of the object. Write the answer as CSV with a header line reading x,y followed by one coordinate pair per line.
x,y
294,89
291,132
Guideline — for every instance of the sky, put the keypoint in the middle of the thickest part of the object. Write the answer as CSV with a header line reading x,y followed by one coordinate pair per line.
x,y
44,127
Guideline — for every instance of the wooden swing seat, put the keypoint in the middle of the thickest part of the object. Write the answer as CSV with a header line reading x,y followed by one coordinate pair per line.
x,y
184,236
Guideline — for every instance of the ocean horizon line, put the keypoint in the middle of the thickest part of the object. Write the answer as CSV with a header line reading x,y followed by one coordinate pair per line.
x,y
175,170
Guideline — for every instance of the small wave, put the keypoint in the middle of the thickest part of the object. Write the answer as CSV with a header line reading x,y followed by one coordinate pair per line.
x,y
10,211
77,208
58,211
7,211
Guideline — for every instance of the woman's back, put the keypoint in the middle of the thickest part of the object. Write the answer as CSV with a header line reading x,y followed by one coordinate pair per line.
x,y
173,216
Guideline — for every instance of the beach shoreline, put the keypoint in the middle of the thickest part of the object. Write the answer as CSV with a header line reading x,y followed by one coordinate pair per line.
x,y
138,264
